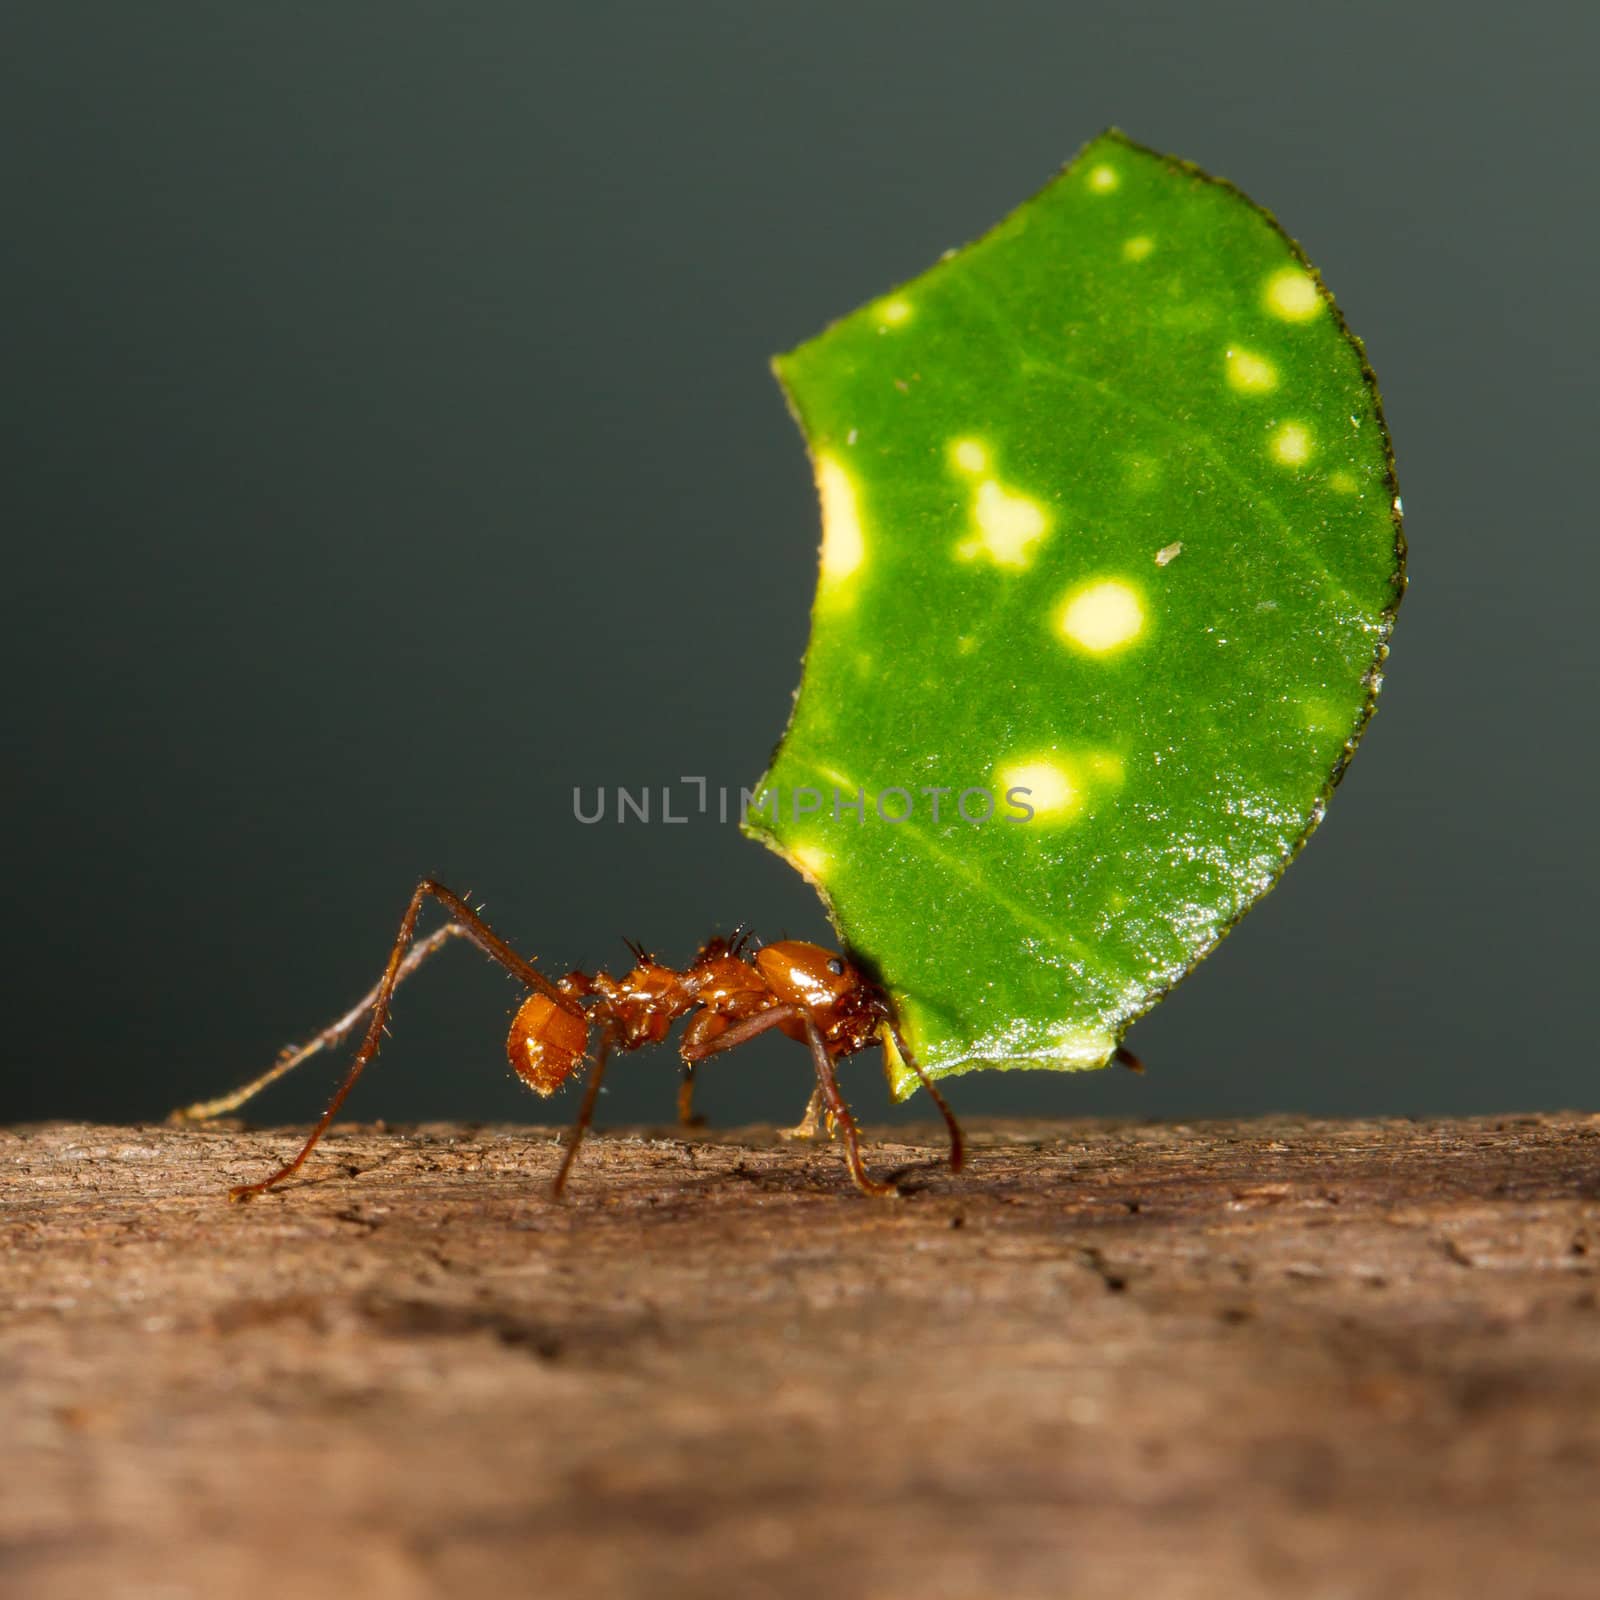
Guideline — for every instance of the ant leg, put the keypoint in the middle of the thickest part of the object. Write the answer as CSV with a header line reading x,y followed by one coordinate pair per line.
x,y
810,1125
696,1048
829,1086
704,1026
738,1033
686,1116
958,1152
591,1093
819,1102
292,1055
473,927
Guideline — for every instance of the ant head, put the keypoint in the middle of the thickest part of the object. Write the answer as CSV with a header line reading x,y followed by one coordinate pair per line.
x,y
547,1043
807,975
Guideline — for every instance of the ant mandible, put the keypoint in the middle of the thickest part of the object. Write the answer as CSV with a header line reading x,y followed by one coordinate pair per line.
x,y
730,993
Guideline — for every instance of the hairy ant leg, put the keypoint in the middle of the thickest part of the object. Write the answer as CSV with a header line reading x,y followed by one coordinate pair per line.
x,y
703,1027
828,1083
473,927
292,1055
696,1050
810,1124
738,1033
686,1111
591,1093
958,1152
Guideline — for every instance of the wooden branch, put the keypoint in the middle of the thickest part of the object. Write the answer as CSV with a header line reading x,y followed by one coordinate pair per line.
x,y
1273,1357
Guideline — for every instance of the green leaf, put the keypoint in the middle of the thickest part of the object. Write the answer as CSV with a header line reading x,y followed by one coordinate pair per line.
x,y
1109,515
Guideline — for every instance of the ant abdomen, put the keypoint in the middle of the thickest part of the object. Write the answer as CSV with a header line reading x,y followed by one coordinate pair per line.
x,y
547,1043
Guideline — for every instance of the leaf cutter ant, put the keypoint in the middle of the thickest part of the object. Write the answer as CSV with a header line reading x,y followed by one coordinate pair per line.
x,y
731,991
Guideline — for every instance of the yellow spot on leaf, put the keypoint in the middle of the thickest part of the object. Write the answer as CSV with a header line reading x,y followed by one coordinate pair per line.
x,y
1249,373
969,455
1291,445
892,313
1007,526
812,859
1323,716
1059,783
843,548
1103,179
1106,767
1101,616
1292,295
1343,482
1052,791
1138,247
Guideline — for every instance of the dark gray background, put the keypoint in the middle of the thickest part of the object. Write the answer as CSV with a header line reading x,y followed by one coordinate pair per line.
x,y
389,446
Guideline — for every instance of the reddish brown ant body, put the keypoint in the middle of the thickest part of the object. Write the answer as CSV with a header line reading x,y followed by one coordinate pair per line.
x,y
729,993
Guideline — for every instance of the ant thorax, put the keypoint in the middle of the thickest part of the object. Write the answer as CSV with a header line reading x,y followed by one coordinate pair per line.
x,y
724,985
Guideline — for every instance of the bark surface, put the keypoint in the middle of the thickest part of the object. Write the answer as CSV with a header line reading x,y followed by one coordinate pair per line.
x,y
1274,1357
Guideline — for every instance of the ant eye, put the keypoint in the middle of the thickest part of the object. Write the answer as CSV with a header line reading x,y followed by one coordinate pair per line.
x,y
836,966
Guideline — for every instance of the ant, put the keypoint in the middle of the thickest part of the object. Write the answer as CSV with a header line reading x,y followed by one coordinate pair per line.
x,y
731,991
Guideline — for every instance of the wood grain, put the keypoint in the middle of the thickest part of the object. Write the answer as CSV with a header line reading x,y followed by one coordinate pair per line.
x,y
1274,1357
